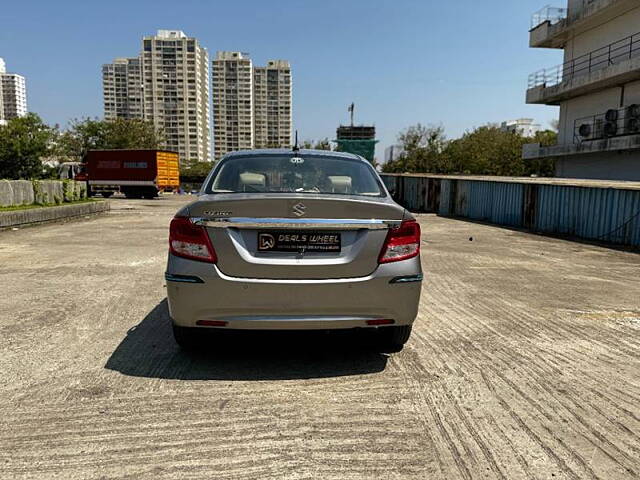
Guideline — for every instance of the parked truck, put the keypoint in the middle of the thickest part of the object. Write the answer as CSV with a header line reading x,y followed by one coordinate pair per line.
x,y
135,173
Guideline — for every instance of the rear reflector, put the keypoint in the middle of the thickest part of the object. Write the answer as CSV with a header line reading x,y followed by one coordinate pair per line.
x,y
381,321
190,241
401,243
212,323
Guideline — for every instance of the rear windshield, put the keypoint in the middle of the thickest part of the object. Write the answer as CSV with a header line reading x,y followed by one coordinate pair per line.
x,y
297,174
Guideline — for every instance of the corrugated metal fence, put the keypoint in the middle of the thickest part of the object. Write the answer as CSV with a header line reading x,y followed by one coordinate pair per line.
x,y
593,210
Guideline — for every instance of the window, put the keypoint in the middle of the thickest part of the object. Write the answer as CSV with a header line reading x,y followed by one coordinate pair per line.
x,y
306,174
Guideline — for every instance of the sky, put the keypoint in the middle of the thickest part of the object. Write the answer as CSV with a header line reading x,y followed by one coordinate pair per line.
x,y
456,63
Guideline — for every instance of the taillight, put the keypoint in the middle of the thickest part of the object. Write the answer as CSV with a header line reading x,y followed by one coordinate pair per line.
x,y
402,242
191,241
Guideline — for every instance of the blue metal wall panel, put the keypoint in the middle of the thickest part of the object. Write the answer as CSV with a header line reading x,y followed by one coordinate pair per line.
x,y
445,194
463,199
605,214
508,199
490,201
481,205
390,182
412,193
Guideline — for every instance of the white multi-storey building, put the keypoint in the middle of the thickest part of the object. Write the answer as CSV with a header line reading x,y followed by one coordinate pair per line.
x,y
251,105
175,72
272,105
13,94
232,86
521,126
122,89
167,84
597,87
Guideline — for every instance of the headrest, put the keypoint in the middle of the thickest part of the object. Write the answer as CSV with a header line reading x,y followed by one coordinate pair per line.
x,y
253,179
340,184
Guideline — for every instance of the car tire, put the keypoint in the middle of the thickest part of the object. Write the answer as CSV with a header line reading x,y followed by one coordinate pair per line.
x,y
186,338
392,339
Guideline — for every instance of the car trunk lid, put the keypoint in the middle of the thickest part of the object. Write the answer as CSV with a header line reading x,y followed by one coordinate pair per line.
x,y
238,223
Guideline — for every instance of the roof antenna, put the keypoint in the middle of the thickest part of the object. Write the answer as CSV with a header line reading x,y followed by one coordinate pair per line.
x,y
296,148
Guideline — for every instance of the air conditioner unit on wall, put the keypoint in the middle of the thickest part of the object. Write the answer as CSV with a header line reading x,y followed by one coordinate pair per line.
x,y
585,131
610,129
611,115
632,119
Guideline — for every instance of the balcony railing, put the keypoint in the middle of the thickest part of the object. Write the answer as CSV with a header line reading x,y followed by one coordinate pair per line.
x,y
548,14
612,123
611,54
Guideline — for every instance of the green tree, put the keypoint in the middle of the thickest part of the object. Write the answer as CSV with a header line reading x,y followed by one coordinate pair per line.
x,y
486,150
542,167
24,141
92,134
422,150
196,171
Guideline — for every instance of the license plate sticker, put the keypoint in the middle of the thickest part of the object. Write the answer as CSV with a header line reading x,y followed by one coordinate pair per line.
x,y
292,241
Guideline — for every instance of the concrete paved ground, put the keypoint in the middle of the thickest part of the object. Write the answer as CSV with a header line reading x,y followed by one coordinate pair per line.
x,y
524,364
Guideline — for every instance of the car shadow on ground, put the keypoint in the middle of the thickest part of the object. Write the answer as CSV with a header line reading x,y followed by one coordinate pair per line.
x,y
148,350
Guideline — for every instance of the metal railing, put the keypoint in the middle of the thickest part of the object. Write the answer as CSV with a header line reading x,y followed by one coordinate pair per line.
x,y
549,14
611,54
613,123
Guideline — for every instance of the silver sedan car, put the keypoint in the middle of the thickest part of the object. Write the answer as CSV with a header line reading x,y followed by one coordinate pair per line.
x,y
294,240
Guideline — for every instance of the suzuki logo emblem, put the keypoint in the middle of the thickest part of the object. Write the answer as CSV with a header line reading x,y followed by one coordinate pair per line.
x,y
299,209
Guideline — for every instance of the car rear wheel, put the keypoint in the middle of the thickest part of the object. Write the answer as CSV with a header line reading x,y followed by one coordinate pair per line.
x,y
392,339
186,338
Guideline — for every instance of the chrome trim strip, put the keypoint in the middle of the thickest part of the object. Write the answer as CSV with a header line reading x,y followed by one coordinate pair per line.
x,y
311,223
296,282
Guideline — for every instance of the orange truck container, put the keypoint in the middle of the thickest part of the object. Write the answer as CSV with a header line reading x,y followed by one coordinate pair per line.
x,y
135,173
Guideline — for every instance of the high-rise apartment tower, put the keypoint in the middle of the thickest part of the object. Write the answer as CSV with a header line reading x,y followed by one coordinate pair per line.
x,y
232,87
13,94
272,105
251,105
167,84
122,89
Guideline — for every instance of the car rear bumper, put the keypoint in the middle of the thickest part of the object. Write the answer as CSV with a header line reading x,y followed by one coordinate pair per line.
x,y
199,291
